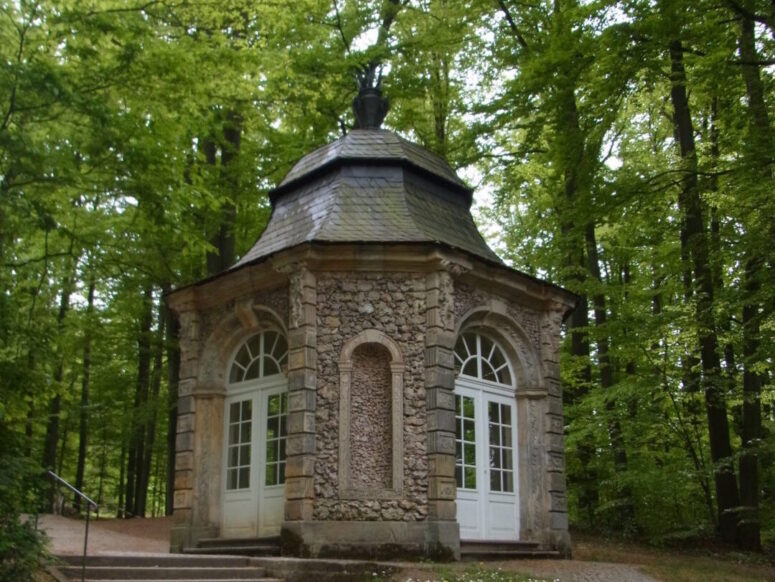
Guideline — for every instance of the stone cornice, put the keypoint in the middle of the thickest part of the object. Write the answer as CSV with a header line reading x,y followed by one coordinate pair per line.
x,y
420,258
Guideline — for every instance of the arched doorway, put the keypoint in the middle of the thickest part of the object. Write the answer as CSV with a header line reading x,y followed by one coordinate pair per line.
x,y
486,440
255,413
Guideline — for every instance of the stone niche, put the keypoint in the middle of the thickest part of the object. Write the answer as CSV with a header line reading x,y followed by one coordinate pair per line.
x,y
371,269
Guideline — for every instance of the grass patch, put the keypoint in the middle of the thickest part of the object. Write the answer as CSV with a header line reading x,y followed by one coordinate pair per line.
x,y
466,573
711,564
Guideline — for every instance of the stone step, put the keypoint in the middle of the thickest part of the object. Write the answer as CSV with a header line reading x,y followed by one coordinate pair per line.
x,y
269,546
262,550
502,550
166,567
157,560
485,555
234,542
164,573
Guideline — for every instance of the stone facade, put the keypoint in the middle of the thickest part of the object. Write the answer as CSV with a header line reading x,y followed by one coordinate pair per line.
x,y
348,304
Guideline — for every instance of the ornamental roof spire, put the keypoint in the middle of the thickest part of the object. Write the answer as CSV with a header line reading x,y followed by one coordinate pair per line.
x,y
369,106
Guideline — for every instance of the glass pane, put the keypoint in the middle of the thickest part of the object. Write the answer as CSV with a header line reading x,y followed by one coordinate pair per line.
x,y
282,449
460,349
495,480
245,437
470,478
506,455
486,347
468,407
470,458
504,377
284,403
506,436
271,451
458,452
247,409
459,475
244,478
244,455
282,426
495,434
234,412
492,411
270,337
252,372
468,430
470,342
281,476
274,405
231,479
508,482
233,434
233,456
488,373
497,359
470,368
280,348
243,357
270,367
271,474
255,346
236,374
506,414
271,428
458,405
495,457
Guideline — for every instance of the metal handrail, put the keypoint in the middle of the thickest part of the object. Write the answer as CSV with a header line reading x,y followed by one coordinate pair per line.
x,y
90,504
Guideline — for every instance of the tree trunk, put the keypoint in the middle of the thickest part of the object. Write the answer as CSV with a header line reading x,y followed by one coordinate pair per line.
x,y
615,433
173,375
84,416
691,208
136,455
55,407
224,237
152,407
759,154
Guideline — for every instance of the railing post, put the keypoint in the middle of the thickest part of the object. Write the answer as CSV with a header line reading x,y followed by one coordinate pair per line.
x,y
85,543
89,506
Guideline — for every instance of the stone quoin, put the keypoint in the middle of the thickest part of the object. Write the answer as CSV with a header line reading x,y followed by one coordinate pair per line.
x,y
370,379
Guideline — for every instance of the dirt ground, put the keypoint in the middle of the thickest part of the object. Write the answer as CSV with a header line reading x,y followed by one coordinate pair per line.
x,y
595,560
107,536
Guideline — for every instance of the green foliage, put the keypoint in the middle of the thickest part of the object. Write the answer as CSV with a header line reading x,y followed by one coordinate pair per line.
x,y
119,165
22,548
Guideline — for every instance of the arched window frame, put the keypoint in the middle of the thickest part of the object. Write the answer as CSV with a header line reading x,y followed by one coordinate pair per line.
x,y
493,356
277,354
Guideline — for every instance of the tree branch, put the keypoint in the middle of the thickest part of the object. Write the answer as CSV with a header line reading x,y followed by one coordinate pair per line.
x,y
513,25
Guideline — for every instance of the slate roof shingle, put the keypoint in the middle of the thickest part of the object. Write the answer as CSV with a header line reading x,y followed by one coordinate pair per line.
x,y
382,189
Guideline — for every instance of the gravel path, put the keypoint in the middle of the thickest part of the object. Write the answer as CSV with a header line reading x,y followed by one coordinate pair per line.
x,y
107,536
151,536
578,571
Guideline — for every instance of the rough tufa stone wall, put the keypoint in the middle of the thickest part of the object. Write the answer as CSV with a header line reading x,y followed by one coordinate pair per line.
x,y
347,304
371,438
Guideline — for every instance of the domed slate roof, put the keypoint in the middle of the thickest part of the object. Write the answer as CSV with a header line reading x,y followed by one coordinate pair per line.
x,y
370,186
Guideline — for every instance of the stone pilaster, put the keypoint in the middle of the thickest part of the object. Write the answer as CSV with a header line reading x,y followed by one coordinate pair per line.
x,y
555,488
440,386
302,385
190,345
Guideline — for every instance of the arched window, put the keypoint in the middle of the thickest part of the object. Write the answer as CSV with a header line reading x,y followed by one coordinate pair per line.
x,y
478,356
265,354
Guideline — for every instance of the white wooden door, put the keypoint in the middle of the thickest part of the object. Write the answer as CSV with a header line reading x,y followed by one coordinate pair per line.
x,y
487,501
254,471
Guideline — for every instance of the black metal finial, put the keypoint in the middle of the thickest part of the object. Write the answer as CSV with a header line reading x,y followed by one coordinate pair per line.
x,y
369,105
